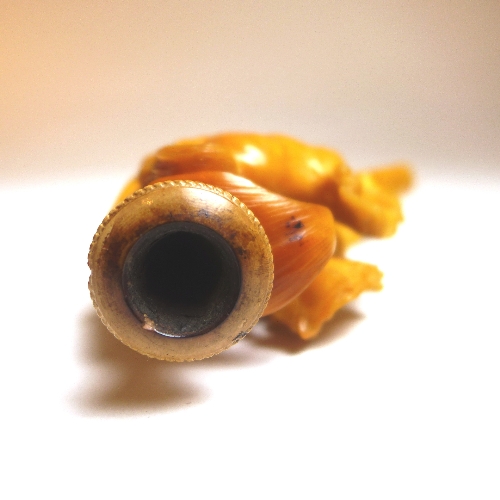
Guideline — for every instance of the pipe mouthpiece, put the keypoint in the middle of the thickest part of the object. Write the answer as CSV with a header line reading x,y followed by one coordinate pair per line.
x,y
180,270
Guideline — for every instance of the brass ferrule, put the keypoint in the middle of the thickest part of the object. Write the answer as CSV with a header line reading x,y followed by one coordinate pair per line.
x,y
180,271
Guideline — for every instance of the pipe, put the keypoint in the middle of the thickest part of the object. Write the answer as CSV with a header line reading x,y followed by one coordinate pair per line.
x,y
217,231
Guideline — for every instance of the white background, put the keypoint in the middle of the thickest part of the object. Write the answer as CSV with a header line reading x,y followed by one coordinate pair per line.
x,y
399,396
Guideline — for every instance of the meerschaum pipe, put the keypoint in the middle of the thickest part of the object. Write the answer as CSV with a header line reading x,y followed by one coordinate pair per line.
x,y
194,255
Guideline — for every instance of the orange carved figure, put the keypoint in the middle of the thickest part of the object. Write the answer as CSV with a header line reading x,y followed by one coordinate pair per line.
x,y
215,232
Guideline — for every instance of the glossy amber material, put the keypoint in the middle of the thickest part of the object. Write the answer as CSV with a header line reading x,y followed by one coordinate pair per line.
x,y
310,206
366,201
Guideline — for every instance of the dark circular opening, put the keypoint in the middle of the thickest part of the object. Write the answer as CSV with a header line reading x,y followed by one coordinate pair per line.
x,y
181,279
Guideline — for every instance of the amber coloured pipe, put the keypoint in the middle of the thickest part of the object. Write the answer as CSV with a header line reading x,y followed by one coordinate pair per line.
x,y
216,232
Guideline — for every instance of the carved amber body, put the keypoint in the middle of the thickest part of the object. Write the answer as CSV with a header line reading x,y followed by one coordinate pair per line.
x,y
308,202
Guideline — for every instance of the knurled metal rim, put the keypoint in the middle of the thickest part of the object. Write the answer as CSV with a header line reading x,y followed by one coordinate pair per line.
x,y
172,201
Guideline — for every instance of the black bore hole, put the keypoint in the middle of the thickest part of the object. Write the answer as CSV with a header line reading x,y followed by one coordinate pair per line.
x,y
181,279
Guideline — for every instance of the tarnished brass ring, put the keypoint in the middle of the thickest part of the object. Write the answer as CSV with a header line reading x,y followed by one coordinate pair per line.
x,y
179,202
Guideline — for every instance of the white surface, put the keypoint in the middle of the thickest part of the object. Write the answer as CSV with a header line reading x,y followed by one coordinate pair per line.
x,y
399,397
